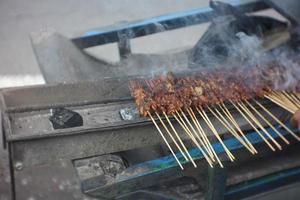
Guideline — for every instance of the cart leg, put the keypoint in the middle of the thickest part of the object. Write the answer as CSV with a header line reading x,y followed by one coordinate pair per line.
x,y
216,183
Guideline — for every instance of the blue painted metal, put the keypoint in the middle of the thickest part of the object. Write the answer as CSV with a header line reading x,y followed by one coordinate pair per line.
x,y
167,162
263,184
163,168
158,24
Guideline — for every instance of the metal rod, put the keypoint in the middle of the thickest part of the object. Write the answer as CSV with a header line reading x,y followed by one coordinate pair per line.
x,y
158,24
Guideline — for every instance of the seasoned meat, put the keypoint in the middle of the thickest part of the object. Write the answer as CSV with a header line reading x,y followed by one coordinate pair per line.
x,y
170,93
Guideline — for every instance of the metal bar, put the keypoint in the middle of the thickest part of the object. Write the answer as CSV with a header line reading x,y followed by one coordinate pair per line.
x,y
2,132
128,180
158,24
124,45
263,184
287,8
217,177
37,137
12,173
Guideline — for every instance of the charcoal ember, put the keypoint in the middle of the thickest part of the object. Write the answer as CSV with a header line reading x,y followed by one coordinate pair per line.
x,y
65,118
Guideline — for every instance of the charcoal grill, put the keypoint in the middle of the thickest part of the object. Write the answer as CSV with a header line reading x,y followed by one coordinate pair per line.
x,y
100,155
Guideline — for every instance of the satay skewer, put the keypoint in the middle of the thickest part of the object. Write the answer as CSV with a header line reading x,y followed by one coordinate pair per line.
x,y
179,139
287,100
269,124
244,107
291,98
171,136
295,98
190,134
280,103
165,140
208,142
229,115
297,95
202,132
278,121
195,133
225,123
253,126
244,141
212,128
283,101
192,130
208,122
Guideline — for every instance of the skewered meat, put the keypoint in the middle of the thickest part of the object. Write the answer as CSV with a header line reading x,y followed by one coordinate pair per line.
x,y
171,93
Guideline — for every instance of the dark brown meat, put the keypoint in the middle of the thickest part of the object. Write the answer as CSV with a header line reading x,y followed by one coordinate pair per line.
x,y
169,93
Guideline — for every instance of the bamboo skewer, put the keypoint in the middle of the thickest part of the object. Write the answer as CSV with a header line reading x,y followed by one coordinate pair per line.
x,y
279,102
192,130
179,139
205,137
256,114
188,132
253,126
212,128
202,134
292,99
227,125
195,132
297,95
229,115
171,136
294,96
243,106
165,140
278,121
244,140
269,124
287,100
276,101
208,122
